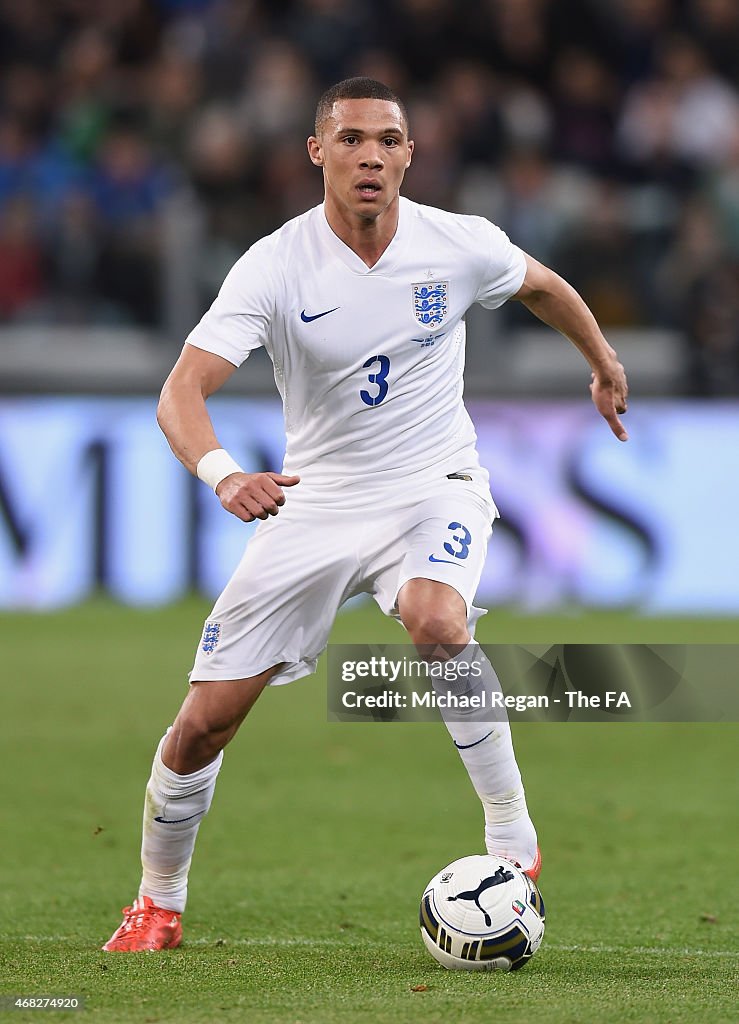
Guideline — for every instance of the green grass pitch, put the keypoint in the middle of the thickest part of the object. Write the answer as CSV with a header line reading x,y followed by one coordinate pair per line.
x,y
305,885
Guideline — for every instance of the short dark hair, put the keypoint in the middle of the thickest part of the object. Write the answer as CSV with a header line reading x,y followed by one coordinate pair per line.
x,y
355,89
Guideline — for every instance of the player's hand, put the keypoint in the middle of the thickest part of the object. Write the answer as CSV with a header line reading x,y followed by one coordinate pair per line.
x,y
251,496
609,392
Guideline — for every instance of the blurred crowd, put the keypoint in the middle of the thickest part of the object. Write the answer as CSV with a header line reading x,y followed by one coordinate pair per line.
x,y
603,135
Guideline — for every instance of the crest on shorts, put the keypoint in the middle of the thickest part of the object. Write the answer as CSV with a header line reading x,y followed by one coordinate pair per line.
x,y
211,636
430,302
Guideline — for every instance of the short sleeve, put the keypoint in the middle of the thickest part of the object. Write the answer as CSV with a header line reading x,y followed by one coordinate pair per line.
x,y
505,269
240,317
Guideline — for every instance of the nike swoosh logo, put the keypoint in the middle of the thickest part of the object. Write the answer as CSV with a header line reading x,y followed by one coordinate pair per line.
x,y
447,560
308,319
466,746
177,821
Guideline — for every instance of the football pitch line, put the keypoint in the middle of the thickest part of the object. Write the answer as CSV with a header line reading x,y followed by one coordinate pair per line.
x,y
277,941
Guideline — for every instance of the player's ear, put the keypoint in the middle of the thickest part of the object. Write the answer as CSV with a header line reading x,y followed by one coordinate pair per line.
x,y
315,151
411,146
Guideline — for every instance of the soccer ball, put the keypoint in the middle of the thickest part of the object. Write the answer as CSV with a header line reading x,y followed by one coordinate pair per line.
x,y
482,914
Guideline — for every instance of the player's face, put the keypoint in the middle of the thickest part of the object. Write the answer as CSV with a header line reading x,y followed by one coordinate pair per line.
x,y
364,151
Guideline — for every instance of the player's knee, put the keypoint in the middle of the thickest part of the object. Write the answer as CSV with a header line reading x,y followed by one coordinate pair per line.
x,y
435,625
433,613
196,741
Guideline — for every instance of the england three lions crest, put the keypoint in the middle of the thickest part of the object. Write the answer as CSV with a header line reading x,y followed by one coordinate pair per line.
x,y
430,302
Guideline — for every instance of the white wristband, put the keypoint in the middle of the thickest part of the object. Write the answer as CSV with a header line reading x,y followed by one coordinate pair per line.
x,y
216,466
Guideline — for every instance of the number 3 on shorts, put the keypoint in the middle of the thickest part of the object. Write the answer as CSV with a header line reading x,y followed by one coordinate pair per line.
x,y
463,538
379,378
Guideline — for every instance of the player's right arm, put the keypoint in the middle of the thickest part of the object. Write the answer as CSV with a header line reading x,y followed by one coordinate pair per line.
x,y
184,420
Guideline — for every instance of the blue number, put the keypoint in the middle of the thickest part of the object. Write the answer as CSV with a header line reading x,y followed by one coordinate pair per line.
x,y
379,378
464,539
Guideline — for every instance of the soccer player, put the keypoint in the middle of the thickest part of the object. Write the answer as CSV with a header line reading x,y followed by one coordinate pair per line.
x,y
360,305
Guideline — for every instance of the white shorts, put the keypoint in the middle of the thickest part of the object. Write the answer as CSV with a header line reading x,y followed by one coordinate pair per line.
x,y
303,564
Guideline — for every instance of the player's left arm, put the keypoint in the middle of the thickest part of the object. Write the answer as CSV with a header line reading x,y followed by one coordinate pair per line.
x,y
556,303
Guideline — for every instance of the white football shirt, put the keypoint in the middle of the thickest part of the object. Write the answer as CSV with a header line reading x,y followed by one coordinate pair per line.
x,y
369,362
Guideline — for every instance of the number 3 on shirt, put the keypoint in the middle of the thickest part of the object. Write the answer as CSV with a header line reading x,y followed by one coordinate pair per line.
x,y
379,378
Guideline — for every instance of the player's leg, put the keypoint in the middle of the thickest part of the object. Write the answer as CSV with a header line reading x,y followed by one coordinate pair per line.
x,y
435,615
431,585
178,796
209,718
183,779
270,624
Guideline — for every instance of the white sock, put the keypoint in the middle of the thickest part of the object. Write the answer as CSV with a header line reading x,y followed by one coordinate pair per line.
x,y
182,801
486,749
